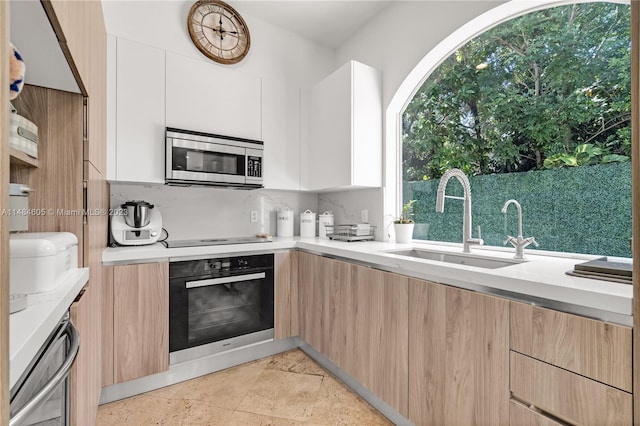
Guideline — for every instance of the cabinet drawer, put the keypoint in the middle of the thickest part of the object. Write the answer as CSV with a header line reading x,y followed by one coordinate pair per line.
x,y
568,396
521,415
591,348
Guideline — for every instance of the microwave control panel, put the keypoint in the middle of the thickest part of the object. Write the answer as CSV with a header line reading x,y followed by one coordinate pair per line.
x,y
254,166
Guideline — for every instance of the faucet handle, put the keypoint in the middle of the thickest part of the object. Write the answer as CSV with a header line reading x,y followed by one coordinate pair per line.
x,y
532,240
508,240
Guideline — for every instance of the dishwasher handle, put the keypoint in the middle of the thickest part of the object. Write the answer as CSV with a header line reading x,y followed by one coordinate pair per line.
x,y
57,378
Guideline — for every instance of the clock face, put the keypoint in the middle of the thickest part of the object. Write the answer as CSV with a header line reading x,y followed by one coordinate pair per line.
x,y
218,31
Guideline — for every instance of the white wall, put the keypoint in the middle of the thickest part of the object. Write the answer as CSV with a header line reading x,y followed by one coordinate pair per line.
x,y
396,39
274,52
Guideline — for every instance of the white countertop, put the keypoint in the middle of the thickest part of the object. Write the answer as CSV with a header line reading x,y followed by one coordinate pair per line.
x,y
541,279
29,328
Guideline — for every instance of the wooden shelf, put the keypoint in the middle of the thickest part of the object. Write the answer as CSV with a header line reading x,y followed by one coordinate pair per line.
x,y
19,158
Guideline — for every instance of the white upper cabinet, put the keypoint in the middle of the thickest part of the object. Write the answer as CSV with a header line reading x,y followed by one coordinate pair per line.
x,y
345,124
207,97
135,151
281,134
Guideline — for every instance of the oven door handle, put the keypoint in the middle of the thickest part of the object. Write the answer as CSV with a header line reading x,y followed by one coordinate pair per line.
x,y
62,373
225,280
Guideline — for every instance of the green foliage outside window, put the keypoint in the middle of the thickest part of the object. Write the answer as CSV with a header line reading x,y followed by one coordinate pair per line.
x,y
536,87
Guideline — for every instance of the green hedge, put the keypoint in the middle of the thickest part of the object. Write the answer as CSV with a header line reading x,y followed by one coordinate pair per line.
x,y
578,210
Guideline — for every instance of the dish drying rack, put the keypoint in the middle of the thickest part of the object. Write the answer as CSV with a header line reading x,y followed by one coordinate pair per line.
x,y
351,232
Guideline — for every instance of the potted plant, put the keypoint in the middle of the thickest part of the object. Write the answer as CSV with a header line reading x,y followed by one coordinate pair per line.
x,y
403,226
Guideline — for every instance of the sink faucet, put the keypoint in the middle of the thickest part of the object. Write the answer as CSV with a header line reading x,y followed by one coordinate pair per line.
x,y
467,239
519,243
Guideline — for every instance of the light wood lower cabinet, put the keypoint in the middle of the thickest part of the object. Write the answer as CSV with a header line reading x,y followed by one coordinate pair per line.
x,y
85,380
319,281
573,398
521,415
140,320
595,349
442,355
357,317
374,321
458,356
285,294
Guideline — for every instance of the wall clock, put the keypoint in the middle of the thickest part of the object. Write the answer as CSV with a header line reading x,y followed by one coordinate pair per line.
x,y
218,31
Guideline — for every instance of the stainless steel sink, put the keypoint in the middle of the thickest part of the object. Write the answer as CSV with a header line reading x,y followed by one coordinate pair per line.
x,y
458,259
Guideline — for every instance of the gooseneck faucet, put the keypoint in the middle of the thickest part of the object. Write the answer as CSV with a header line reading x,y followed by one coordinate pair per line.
x,y
519,242
467,239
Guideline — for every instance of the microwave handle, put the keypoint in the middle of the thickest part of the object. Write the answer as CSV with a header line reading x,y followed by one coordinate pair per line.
x,y
60,375
225,280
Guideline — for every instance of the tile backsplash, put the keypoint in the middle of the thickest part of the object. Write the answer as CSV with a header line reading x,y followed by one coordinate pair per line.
x,y
209,212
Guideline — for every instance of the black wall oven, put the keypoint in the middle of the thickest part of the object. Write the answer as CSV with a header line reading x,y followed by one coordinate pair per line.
x,y
220,303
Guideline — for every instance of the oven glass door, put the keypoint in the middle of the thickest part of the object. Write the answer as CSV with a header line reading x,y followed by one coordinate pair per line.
x,y
210,308
208,161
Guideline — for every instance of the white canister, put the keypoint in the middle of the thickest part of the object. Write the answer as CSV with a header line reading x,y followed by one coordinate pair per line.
x,y
324,220
284,223
307,224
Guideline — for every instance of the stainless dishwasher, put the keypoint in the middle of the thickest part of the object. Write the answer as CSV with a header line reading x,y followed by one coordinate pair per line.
x,y
41,395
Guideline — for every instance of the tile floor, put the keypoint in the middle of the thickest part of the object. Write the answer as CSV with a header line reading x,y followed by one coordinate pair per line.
x,y
284,389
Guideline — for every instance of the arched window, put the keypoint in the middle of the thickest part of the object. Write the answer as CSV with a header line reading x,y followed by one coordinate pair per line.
x,y
537,109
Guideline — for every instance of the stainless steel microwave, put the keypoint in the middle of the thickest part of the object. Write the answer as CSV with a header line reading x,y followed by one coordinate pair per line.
x,y
195,158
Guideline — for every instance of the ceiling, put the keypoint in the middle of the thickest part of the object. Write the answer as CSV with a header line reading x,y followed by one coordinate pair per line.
x,y
327,22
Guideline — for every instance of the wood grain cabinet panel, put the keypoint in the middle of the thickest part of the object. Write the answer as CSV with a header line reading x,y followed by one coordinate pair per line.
x,y
521,415
321,284
106,313
286,294
85,377
57,182
141,320
458,356
373,333
566,395
310,299
357,317
592,348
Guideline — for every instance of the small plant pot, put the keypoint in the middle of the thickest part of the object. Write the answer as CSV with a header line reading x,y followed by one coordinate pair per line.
x,y
404,232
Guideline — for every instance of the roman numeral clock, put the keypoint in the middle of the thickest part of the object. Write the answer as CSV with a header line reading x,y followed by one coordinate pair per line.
x,y
218,31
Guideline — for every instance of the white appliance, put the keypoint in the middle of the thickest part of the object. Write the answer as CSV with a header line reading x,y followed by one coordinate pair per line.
x,y
325,220
138,223
40,261
307,224
284,223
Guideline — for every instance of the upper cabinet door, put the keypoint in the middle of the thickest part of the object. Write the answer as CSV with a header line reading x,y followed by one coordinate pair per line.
x,y
281,134
207,97
140,109
346,129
